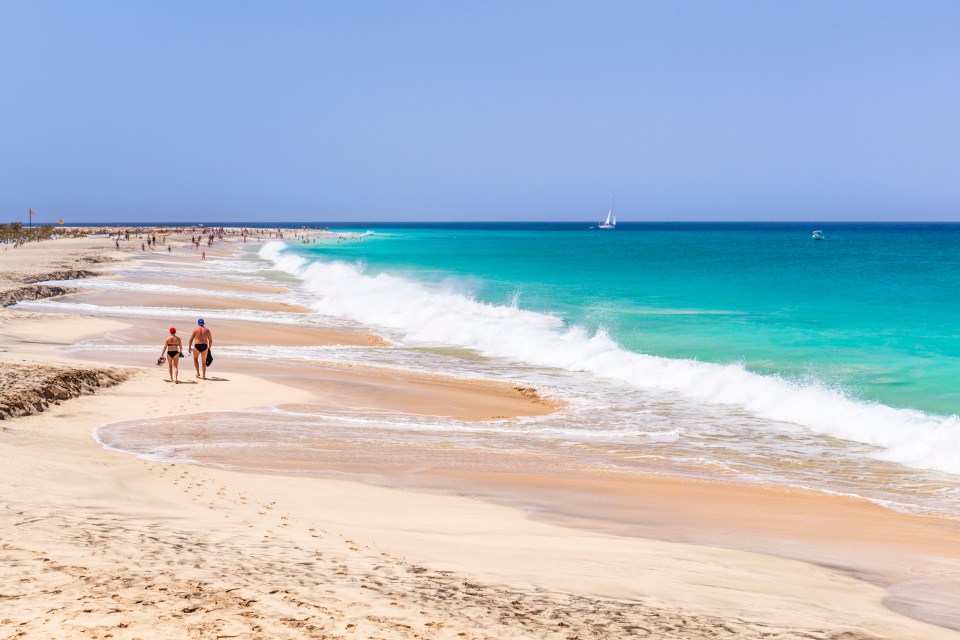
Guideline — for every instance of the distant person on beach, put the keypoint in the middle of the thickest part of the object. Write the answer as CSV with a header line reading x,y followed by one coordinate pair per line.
x,y
203,256
203,341
172,346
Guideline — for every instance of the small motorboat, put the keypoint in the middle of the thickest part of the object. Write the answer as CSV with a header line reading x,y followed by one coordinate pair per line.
x,y
818,235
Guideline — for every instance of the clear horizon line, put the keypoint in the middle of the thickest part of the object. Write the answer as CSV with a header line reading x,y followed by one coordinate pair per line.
x,y
510,222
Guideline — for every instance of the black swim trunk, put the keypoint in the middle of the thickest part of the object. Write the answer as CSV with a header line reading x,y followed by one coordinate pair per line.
x,y
200,347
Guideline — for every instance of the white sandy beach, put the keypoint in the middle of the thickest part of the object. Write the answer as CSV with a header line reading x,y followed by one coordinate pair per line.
x,y
102,544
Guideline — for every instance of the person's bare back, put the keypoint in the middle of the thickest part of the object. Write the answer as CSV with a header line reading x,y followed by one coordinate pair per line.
x,y
202,339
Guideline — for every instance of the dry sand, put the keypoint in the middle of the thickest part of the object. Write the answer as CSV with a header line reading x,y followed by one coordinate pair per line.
x,y
97,544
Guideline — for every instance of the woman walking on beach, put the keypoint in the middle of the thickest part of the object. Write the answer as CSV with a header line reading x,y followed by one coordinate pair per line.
x,y
173,346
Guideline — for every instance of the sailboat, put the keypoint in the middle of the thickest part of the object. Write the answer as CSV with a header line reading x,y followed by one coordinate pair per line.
x,y
611,221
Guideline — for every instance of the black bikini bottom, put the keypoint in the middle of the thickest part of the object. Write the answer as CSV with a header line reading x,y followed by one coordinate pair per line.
x,y
173,354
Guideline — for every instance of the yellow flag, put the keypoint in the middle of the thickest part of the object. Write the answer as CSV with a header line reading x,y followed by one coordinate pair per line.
x,y
60,221
32,213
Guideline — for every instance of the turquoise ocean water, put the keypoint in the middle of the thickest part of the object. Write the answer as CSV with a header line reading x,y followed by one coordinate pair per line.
x,y
873,311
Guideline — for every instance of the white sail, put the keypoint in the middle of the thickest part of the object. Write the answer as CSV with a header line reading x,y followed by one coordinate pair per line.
x,y
611,221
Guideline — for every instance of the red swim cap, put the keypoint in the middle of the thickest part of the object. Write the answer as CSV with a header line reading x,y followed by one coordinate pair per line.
x,y
173,330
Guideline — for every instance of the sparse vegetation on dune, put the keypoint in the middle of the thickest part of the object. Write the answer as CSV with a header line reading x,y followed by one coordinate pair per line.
x,y
18,234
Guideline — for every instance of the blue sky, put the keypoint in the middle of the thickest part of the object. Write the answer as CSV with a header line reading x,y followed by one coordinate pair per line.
x,y
480,110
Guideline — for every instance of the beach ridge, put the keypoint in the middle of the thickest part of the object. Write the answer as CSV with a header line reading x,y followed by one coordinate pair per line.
x,y
32,388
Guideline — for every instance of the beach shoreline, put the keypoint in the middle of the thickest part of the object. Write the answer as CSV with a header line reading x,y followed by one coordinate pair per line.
x,y
695,589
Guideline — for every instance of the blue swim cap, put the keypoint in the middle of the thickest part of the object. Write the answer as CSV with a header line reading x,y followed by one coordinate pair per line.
x,y
200,322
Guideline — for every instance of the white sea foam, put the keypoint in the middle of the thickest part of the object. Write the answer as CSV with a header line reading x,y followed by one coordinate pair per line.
x,y
428,314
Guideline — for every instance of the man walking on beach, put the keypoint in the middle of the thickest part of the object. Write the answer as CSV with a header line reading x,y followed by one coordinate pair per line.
x,y
202,340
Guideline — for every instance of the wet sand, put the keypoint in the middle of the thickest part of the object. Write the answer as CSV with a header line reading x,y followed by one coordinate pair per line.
x,y
120,299
139,331
363,388
218,285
